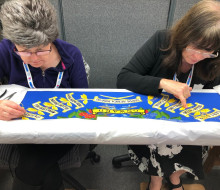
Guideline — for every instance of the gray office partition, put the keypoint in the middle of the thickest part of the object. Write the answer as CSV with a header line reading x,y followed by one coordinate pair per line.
x,y
58,6
109,32
182,6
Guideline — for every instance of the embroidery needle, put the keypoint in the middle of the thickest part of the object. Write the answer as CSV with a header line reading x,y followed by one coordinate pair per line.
x,y
3,93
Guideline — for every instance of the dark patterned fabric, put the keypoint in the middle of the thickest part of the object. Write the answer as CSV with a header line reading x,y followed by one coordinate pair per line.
x,y
163,160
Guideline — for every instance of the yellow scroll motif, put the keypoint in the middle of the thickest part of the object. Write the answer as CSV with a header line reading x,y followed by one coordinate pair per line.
x,y
74,101
117,100
177,106
31,115
58,104
203,117
163,100
187,112
174,107
141,111
44,109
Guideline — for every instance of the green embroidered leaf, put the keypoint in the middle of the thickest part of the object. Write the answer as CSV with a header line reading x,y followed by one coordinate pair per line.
x,y
71,115
158,116
137,116
60,117
165,115
178,118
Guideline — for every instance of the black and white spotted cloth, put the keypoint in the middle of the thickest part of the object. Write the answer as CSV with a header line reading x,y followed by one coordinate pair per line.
x,y
163,160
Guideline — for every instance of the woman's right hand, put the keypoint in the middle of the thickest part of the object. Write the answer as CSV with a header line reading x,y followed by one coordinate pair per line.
x,y
10,110
180,90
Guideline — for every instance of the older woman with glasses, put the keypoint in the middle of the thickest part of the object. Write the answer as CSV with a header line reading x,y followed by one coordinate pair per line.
x,y
175,60
31,55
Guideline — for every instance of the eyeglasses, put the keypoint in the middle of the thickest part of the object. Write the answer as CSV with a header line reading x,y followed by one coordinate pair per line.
x,y
205,55
38,53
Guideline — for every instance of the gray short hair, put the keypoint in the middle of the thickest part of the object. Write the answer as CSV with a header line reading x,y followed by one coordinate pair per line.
x,y
29,23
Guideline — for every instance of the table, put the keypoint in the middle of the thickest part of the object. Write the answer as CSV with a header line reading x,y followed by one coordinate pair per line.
x,y
107,130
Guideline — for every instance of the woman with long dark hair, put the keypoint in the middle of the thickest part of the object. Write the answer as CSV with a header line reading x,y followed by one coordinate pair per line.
x,y
175,60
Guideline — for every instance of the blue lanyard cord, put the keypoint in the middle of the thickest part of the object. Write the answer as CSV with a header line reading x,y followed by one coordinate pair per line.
x,y
189,79
30,80
59,79
28,75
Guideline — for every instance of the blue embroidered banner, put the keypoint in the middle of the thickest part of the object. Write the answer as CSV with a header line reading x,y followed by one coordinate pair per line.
x,y
90,105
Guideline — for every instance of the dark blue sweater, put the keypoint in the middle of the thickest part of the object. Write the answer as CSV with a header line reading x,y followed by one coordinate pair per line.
x,y
11,66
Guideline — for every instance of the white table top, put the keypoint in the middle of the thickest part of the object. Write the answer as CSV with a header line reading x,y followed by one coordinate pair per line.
x,y
109,130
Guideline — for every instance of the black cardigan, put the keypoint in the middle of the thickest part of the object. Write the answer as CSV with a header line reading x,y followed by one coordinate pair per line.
x,y
143,72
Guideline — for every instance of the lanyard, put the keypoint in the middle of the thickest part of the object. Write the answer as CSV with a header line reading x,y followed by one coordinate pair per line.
x,y
30,80
189,79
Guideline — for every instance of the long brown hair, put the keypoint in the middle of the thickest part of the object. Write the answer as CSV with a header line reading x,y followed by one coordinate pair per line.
x,y
201,27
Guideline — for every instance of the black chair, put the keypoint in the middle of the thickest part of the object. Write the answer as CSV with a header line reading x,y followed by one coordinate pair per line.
x,y
117,160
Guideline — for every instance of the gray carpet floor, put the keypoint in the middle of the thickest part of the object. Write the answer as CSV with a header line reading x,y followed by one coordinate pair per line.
x,y
103,176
